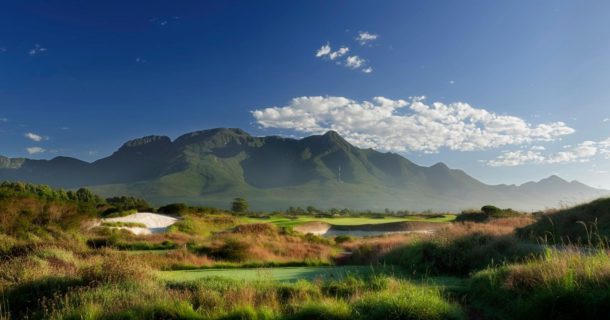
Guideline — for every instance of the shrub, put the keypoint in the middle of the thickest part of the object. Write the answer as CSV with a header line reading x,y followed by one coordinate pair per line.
x,y
113,213
486,214
177,209
232,250
116,269
343,238
257,228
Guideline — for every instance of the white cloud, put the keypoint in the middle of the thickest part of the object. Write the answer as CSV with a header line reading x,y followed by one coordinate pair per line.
x,y
451,82
38,49
324,50
3,120
583,152
342,51
351,62
140,60
2,49
35,150
516,158
34,137
606,120
366,37
354,62
400,125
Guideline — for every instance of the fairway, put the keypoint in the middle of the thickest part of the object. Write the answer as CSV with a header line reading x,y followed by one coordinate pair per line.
x,y
281,274
282,221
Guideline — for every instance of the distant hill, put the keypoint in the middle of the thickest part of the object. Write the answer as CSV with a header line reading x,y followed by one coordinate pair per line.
x,y
213,166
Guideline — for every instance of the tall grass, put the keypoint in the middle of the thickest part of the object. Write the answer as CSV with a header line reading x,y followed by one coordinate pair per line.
x,y
456,250
562,284
115,287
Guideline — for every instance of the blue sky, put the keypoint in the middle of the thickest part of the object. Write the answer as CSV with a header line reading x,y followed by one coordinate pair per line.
x,y
80,78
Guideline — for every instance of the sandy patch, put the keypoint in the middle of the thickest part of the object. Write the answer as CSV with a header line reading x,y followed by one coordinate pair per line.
x,y
364,230
316,227
155,223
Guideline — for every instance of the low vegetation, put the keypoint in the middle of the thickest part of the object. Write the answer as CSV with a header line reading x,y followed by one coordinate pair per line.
x,y
213,264
587,224
119,224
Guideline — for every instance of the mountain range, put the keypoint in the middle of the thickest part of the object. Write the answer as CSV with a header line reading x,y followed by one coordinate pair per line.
x,y
211,167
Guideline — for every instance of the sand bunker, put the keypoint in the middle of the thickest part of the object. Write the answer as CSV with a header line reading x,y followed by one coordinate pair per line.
x,y
363,230
155,223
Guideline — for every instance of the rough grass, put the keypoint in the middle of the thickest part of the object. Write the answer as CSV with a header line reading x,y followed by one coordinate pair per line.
x,y
135,297
462,248
587,224
568,284
119,224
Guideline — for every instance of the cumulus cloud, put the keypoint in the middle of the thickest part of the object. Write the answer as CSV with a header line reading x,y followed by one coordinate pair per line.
x,y
326,51
365,37
354,62
407,125
323,51
339,53
38,49
34,137
583,152
35,150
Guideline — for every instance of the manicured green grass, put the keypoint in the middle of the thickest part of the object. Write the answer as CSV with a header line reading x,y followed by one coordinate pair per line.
x,y
282,221
288,274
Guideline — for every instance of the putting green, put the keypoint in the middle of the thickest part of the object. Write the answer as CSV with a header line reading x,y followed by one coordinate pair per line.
x,y
281,221
281,274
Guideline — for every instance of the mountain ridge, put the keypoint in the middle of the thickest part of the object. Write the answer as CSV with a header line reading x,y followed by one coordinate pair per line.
x,y
212,166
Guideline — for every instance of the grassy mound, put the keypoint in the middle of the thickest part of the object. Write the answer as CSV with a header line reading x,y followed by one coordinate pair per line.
x,y
559,285
584,224
462,249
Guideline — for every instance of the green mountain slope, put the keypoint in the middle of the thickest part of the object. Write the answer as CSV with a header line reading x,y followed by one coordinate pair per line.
x,y
211,167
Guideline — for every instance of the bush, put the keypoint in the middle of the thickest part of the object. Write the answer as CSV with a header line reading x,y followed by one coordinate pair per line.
x,y
343,238
486,213
257,228
232,250
176,209
116,269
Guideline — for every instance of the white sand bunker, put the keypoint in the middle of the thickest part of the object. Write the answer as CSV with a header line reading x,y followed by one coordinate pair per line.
x,y
155,223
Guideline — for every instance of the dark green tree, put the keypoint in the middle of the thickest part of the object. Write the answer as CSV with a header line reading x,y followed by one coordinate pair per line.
x,y
239,205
